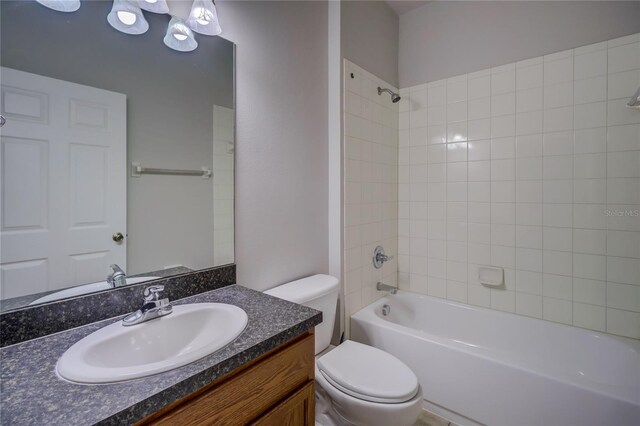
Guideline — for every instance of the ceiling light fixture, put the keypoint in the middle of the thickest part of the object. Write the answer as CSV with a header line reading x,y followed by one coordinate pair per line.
x,y
61,5
179,36
203,18
155,6
126,16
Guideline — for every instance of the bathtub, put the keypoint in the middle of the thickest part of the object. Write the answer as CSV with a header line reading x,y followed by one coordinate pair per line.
x,y
477,365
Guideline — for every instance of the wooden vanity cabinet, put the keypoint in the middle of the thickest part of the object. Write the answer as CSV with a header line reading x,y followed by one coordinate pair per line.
x,y
274,389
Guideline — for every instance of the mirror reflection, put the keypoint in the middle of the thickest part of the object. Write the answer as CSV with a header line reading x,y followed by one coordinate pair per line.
x,y
117,150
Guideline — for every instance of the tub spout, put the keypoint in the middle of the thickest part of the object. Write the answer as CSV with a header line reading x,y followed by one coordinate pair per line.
x,y
384,287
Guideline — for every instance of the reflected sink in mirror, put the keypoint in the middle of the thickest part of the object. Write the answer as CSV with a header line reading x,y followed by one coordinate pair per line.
x,y
86,289
116,353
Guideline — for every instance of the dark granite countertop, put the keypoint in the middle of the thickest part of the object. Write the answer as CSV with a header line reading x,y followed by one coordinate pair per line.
x,y
32,393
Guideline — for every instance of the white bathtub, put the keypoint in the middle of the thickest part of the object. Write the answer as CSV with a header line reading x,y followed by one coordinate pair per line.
x,y
482,366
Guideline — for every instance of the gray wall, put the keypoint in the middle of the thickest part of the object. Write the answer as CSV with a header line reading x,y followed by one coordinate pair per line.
x,y
281,139
170,97
444,39
369,32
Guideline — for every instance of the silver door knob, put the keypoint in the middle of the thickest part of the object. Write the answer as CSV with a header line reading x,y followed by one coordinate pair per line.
x,y
117,237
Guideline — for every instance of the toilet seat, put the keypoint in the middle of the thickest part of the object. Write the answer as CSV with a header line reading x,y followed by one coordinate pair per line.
x,y
368,373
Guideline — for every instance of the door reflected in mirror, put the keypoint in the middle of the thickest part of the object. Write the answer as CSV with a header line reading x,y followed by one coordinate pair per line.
x,y
116,150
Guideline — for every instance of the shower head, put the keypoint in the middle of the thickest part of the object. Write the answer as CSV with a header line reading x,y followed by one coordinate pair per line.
x,y
634,102
395,98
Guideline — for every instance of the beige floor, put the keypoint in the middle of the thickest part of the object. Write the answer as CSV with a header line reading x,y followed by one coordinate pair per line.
x,y
429,419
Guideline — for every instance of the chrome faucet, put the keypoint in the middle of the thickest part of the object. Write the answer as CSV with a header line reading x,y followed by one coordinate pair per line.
x,y
153,307
384,287
117,278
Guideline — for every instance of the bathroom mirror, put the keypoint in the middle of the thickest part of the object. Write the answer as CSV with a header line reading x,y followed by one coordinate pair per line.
x,y
116,150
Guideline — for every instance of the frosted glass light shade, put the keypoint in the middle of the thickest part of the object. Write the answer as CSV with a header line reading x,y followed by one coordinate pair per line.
x,y
203,18
126,16
61,5
155,6
180,37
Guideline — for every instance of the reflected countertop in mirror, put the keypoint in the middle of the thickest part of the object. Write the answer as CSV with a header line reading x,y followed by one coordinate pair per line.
x,y
89,110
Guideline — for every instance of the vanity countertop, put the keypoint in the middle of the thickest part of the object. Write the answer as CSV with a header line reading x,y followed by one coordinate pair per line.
x,y
32,393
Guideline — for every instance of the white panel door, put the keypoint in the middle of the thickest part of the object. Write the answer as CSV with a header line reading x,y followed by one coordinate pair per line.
x,y
62,183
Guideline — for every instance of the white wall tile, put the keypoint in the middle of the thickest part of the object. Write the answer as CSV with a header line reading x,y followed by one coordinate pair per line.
x,y
528,123
619,114
591,241
590,166
528,282
623,138
589,291
437,95
558,119
623,244
529,305
503,300
590,64
503,126
589,266
622,83
623,270
590,90
533,166
479,150
503,81
479,129
623,164
589,316
529,191
588,141
558,71
623,191
623,296
529,77
558,95
624,323
559,239
529,99
624,58
503,104
590,115
557,310
479,87
502,148
529,145
557,263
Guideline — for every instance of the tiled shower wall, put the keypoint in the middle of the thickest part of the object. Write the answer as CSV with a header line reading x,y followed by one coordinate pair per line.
x,y
532,166
370,186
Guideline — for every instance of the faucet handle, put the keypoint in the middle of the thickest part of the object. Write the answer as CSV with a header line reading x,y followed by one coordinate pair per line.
x,y
152,293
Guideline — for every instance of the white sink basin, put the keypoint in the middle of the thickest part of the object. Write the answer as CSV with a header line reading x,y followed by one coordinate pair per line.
x,y
85,289
115,352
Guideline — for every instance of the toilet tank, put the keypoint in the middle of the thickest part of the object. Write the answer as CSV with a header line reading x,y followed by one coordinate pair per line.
x,y
319,292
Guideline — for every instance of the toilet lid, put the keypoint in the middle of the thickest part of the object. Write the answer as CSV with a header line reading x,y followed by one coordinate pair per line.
x,y
368,373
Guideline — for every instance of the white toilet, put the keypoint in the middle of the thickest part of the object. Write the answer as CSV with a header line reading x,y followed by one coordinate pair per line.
x,y
356,384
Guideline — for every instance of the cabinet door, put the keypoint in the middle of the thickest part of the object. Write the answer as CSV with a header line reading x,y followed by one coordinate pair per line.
x,y
297,410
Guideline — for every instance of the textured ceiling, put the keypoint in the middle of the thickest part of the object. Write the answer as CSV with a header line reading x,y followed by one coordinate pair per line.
x,y
404,6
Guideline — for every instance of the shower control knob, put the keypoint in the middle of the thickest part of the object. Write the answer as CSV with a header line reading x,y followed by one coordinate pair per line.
x,y
379,257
